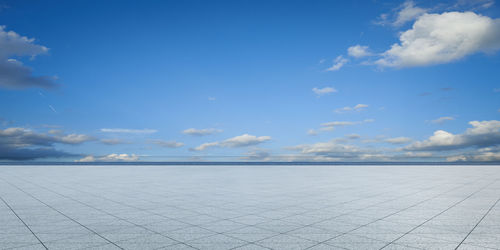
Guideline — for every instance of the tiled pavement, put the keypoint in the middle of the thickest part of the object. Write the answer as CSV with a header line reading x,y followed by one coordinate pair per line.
x,y
249,207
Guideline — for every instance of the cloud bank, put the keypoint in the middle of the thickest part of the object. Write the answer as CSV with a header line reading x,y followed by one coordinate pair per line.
x,y
18,143
13,74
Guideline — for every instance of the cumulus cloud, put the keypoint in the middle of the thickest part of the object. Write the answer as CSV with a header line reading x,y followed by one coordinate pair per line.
x,y
167,144
358,51
358,107
234,142
334,151
443,119
13,74
398,140
201,132
487,154
443,38
18,143
324,91
481,134
338,63
456,158
129,131
110,158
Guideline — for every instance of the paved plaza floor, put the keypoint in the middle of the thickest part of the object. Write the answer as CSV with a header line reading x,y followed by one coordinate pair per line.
x,y
249,207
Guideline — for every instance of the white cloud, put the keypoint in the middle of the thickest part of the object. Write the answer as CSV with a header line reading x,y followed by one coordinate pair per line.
x,y
112,141
330,147
110,158
13,44
358,107
128,131
167,144
456,158
358,51
210,98
442,38
487,154
398,140
353,136
257,155
312,132
201,132
88,158
21,137
401,15
473,4
328,126
206,145
324,91
18,143
419,154
334,151
338,63
443,119
408,12
13,74
482,134
74,138
234,142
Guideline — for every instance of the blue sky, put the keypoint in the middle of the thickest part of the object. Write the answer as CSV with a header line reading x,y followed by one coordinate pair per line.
x,y
250,80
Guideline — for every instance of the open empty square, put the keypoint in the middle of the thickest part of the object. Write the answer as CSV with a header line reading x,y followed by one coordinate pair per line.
x,y
249,207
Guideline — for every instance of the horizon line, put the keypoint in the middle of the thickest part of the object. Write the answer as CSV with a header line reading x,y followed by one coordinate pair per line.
x,y
242,163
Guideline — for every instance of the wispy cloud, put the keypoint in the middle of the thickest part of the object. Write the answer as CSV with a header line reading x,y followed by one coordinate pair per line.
x,y
128,131
234,142
404,13
167,144
52,108
359,51
398,140
323,91
328,126
338,63
110,158
201,132
442,120
357,107
113,141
